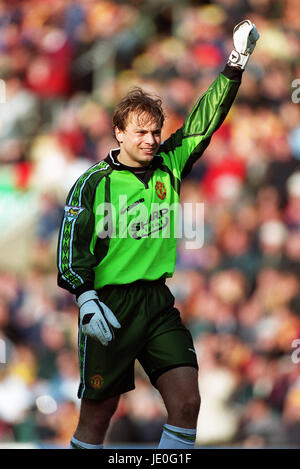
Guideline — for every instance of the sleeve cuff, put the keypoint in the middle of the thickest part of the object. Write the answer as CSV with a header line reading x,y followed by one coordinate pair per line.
x,y
233,73
83,288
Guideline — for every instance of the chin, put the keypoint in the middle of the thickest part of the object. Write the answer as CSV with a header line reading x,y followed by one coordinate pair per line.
x,y
146,160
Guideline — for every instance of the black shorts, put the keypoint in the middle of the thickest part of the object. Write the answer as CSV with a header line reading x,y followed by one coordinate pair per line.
x,y
151,332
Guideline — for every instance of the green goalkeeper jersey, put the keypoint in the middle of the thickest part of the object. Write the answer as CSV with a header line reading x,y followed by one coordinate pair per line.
x,y
118,226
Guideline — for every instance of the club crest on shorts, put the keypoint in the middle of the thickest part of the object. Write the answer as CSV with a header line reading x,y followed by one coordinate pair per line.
x,y
161,190
97,381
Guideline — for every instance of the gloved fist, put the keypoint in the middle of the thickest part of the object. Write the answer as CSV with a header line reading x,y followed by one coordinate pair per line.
x,y
96,318
245,36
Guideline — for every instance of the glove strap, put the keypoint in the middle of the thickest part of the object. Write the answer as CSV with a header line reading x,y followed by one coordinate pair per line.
x,y
87,296
238,60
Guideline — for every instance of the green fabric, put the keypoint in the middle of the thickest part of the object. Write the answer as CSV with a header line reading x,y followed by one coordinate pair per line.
x,y
151,333
143,245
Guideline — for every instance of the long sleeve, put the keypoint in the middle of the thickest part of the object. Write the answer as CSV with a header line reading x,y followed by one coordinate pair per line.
x,y
76,258
184,147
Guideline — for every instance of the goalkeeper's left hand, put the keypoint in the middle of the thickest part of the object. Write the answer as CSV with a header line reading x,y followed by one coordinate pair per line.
x,y
245,36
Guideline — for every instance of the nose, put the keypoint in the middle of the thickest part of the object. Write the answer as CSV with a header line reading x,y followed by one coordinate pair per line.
x,y
149,138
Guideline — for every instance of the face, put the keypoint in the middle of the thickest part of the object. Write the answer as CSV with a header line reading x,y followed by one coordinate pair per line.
x,y
139,141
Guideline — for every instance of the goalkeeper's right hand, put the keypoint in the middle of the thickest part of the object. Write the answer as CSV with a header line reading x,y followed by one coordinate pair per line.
x,y
96,318
245,36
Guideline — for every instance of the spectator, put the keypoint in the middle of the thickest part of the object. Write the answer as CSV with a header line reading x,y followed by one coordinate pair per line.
x,y
64,66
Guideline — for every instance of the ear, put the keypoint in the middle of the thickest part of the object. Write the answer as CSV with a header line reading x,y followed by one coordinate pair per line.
x,y
119,134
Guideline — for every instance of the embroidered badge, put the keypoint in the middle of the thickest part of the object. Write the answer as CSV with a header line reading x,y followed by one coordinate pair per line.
x,y
97,381
72,212
161,190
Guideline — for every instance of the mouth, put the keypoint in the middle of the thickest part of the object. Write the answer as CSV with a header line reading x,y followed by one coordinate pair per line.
x,y
149,151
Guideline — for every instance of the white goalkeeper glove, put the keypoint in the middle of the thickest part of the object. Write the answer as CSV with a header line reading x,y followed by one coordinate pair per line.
x,y
96,318
245,36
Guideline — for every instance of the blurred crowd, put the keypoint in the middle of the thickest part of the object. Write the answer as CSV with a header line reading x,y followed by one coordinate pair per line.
x,y
64,64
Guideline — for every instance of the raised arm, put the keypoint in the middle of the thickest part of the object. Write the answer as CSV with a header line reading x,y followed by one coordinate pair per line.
x,y
184,147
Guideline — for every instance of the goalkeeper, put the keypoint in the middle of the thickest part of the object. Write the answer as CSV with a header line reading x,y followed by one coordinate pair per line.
x,y
114,255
